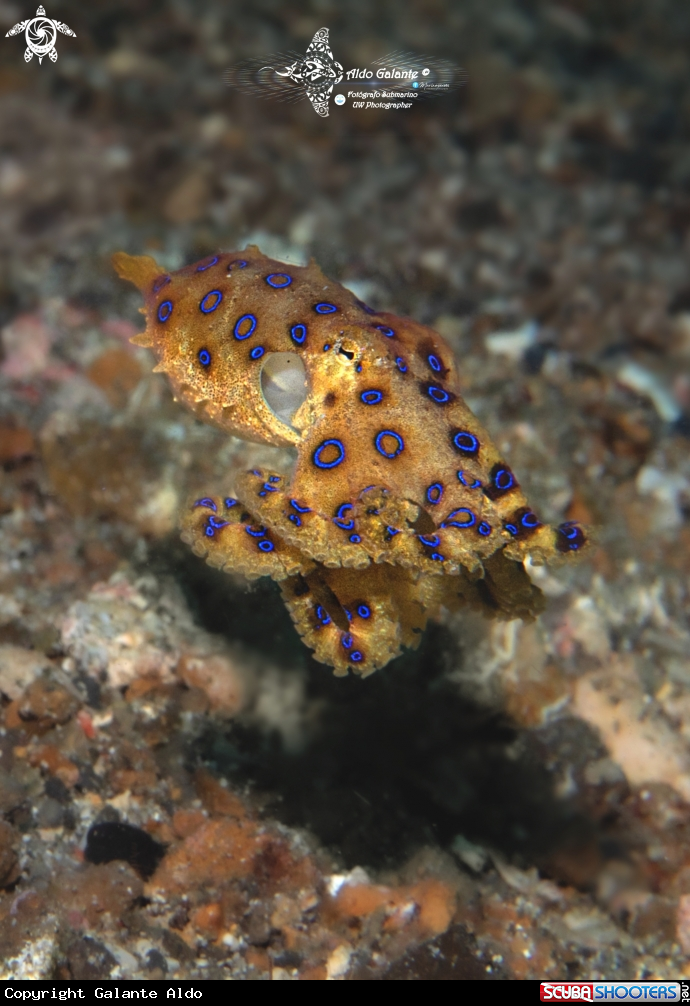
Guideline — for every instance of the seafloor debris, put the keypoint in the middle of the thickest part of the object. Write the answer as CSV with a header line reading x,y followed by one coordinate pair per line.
x,y
399,502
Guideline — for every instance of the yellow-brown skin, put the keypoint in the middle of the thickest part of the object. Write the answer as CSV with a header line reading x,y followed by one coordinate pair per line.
x,y
365,535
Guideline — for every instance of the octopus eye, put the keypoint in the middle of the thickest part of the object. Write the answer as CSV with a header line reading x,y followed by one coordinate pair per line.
x,y
165,310
211,301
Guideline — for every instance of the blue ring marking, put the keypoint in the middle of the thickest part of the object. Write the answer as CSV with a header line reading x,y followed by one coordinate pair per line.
x,y
204,357
206,306
388,332
503,479
365,307
298,333
269,488
300,509
378,442
159,283
401,365
255,534
372,397
438,556
255,471
470,485
570,537
431,541
530,520
341,520
392,531
230,502
203,268
239,262
295,519
450,520
326,347
435,363
356,656
347,640
207,502
512,529
325,308
364,611
240,322
257,352
215,522
348,614
266,546
165,310
484,529
358,368
355,539
208,531
434,493
274,478
323,615
316,457
466,442
262,493
279,280
438,395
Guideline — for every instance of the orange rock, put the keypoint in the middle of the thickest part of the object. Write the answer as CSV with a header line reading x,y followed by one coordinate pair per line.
x,y
218,677
117,373
15,443
217,800
362,899
49,757
208,919
259,959
134,780
90,892
186,822
218,851
317,974
436,903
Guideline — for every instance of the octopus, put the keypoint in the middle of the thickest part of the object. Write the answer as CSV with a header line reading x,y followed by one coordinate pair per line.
x,y
399,504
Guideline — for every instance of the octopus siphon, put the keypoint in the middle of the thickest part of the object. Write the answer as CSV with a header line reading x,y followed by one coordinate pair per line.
x,y
398,505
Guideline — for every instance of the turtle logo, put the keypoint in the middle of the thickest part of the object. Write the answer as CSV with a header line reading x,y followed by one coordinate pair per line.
x,y
41,33
318,72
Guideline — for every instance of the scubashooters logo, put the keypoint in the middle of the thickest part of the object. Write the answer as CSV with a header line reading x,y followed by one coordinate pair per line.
x,y
292,77
41,33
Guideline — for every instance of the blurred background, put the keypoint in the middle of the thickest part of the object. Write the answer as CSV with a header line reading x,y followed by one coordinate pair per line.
x,y
535,778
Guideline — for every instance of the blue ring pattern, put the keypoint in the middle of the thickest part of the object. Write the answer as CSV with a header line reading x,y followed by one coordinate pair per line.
x,y
204,357
435,363
484,529
257,352
530,520
364,611
340,520
316,457
325,308
208,502
372,397
266,546
466,442
388,332
239,335
165,310
159,283
470,485
275,278
206,306
437,395
203,268
451,522
298,333
401,365
503,479
355,539
378,443
434,492
356,656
